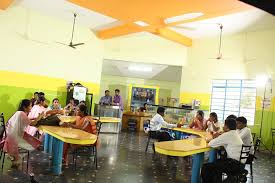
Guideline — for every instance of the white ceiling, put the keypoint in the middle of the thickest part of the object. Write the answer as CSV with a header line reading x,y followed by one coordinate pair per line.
x,y
159,72
64,10
251,20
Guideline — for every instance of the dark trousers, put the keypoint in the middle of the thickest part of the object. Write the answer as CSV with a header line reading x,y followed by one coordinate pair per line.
x,y
160,135
212,172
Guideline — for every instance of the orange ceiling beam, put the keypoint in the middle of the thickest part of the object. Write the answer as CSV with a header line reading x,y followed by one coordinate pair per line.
x,y
4,4
119,31
154,13
174,36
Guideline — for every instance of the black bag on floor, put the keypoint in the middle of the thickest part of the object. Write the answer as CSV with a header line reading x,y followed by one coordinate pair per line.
x,y
49,121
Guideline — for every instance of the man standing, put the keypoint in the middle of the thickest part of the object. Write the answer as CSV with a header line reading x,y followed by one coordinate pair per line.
x,y
118,99
107,99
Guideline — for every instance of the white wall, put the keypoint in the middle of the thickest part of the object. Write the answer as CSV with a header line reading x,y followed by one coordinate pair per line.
x,y
40,54
246,55
145,48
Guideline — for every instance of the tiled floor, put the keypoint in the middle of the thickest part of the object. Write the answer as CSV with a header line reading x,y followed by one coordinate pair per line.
x,y
122,158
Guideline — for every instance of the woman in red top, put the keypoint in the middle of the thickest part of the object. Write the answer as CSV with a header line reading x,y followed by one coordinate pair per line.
x,y
198,121
82,122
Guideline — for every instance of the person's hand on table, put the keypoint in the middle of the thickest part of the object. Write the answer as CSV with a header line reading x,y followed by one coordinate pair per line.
x,y
216,134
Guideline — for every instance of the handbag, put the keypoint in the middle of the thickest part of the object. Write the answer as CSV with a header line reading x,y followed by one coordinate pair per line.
x,y
49,121
31,140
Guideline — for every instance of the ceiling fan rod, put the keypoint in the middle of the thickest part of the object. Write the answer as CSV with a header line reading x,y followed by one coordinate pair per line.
x,y
220,43
73,29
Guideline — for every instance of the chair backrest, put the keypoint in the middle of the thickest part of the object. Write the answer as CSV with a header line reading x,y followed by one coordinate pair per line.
x,y
245,151
253,136
273,135
98,127
257,145
2,127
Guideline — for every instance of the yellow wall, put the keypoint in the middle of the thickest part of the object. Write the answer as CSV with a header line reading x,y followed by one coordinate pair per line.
x,y
31,60
145,48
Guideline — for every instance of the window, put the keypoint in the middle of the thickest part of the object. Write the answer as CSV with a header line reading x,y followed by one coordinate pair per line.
x,y
236,97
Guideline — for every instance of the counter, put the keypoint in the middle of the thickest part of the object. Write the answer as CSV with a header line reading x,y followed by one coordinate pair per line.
x,y
139,116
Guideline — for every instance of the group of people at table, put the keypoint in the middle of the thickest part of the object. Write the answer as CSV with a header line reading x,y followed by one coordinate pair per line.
x,y
231,136
24,123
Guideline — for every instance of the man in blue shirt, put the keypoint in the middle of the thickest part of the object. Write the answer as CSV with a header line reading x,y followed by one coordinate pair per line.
x,y
107,99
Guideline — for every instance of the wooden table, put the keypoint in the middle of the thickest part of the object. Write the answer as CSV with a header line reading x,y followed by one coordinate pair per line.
x,y
139,116
194,146
56,136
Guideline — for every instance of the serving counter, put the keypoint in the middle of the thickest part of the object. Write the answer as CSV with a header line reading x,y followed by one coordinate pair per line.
x,y
140,118
110,116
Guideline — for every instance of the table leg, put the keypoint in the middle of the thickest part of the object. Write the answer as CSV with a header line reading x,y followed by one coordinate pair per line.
x,y
196,167
57,156
50,144
46,143
212,156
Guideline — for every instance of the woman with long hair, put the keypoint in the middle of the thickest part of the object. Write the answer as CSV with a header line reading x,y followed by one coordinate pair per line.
x,y
16,127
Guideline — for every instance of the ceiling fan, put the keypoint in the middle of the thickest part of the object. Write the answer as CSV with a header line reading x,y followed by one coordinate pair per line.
x,y
219,56
71,44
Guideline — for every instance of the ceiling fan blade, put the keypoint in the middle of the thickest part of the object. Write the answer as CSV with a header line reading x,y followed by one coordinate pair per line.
x,y
77,44
62,43
72,46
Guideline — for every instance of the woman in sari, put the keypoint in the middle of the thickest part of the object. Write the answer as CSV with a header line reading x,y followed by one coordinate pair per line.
x,y
83,122
16,127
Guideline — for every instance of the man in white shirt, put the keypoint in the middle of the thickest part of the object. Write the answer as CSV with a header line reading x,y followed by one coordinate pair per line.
x,y
156,123
231,141
245,134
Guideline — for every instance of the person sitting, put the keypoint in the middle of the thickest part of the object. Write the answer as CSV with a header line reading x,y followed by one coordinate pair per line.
x,y
55,108
34,113
212,125
231,141
107,99
245,134
34,98
157,122
72,106
144,108
232,116
198,122
16,126
83,122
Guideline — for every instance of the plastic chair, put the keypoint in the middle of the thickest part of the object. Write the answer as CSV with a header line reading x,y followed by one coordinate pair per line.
x,y
273,141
